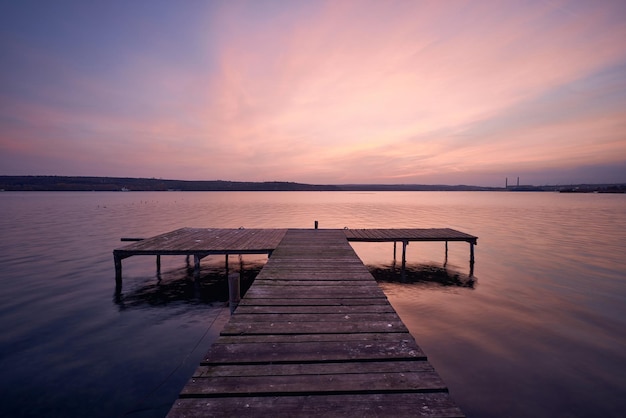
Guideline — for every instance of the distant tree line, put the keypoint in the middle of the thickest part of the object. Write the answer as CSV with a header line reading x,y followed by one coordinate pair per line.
x,y
63,183
67,183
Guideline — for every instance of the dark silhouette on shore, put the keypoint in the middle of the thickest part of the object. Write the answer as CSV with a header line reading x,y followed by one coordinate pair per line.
x,y
69,183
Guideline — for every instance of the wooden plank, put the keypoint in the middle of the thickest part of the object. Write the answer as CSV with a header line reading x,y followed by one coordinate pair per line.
x,y
340,405
314,292
369,338
320,276
338,300
295,285
236,328
301,318
301,369
313,282
324,309
278,352
406,381
320,273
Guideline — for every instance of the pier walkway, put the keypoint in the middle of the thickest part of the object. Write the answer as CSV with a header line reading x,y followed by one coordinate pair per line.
x,y
314,335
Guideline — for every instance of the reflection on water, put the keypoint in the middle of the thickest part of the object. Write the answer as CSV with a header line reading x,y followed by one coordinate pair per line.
x,y
210,287
422,273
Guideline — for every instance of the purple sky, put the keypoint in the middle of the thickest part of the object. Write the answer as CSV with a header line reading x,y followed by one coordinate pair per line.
x,y
326,92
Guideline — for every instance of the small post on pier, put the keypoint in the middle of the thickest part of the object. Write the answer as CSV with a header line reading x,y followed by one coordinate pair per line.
x,y
403,273
118,270
158,264
316,224
471,259
234,292
445,261
196,265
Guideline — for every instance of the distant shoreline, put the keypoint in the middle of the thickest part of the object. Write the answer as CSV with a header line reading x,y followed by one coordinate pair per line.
x,y
77,183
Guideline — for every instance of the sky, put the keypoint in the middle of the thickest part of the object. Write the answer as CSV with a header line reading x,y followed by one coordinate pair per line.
x,y
322,92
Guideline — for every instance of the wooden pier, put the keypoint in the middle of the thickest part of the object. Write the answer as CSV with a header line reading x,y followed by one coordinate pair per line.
x,y
202,242
314,335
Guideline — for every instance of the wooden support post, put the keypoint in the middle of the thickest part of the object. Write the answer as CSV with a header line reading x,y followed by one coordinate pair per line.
x,y
445,261
118,270
471,258
158,264
394,251
196,265
234,292
316,224
404,244
226,265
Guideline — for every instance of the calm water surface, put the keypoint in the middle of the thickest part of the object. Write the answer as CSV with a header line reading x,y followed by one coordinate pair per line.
x,y
541,331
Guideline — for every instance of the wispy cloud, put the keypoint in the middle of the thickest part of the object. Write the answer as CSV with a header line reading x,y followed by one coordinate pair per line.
x,y
330,92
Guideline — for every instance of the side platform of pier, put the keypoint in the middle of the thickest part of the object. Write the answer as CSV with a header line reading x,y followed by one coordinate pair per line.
x,y
314,335
199,243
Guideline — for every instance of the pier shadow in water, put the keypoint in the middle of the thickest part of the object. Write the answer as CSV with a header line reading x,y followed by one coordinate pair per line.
x,y
181,286
422,273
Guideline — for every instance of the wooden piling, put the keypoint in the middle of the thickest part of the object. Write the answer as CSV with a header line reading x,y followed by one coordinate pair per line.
x,y
234,291
118,270
403,271
196,265
471,258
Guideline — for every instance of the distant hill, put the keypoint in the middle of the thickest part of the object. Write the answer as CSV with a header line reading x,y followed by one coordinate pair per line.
x,y
411,187
66,183
62,183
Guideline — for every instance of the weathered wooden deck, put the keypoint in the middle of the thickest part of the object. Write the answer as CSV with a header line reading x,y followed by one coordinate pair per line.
x,y
202,242
199,243
405,236
315,335
422,234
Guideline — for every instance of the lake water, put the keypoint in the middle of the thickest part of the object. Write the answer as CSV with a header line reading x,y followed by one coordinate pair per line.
x,y
540,330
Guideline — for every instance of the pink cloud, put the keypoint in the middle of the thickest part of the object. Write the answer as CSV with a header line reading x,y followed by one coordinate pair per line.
x,y
347,82
350,92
